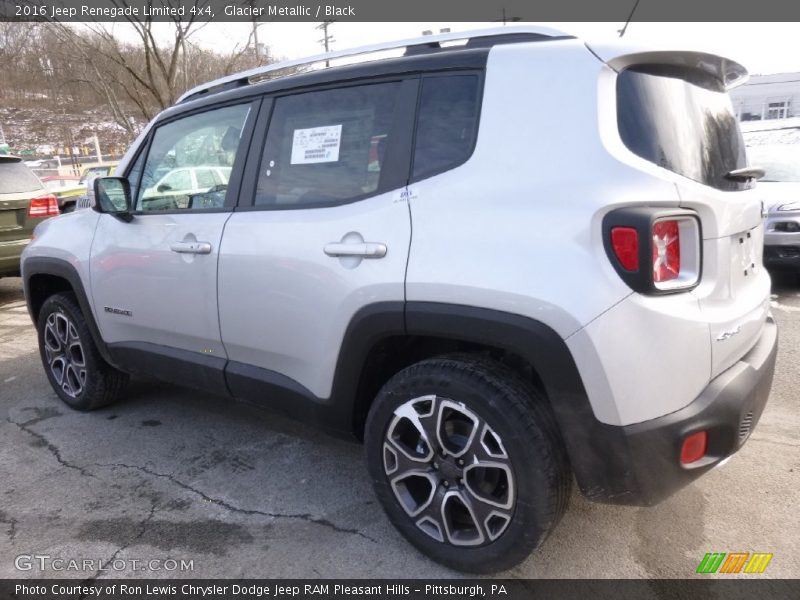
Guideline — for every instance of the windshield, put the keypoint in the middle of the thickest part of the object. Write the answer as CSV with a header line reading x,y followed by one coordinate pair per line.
x,y
15,178
681,119
781,162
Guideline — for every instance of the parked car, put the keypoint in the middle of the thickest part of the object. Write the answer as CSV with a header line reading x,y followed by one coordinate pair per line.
x,y
66,188
59,182
24,203
42,163
582,296
177,188
90,173
87,179
780,187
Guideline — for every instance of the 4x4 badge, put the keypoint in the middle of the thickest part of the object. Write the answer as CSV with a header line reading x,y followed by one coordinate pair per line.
x,y
729,334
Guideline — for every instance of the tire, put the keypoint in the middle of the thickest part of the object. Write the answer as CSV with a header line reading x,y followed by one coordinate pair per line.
x,y
80,376
494,516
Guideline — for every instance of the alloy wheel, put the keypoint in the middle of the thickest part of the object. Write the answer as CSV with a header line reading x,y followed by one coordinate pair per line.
x,y
449,471
64,353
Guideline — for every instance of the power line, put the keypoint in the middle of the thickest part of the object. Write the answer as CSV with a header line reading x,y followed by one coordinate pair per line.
x,y
630,16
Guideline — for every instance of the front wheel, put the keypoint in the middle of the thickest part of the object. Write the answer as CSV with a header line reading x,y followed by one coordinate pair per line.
x,y
74,366
467,461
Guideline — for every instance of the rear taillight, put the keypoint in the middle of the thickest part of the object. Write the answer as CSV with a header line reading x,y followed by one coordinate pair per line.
x,y
666,251
45,205
654,250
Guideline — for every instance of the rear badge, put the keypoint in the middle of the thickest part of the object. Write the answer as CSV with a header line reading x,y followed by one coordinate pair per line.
x,y
118,311
725,335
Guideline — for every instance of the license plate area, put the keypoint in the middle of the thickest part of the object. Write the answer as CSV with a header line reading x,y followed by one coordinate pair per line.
x,y
9,220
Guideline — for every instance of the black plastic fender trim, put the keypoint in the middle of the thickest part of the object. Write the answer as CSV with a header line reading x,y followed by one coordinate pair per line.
x,y
598,452
42,265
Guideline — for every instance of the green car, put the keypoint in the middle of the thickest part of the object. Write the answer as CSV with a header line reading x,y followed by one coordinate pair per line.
x,y
24,203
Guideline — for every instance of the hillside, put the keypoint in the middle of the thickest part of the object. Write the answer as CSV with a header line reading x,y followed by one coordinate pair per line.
x,y
41,132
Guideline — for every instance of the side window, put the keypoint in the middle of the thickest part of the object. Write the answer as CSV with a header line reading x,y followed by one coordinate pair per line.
x,y
327,147
447,122
171,178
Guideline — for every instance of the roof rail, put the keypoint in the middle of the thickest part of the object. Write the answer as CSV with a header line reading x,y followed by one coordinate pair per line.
x,y
244,77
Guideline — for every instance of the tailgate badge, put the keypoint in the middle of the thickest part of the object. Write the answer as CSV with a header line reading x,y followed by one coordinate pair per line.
x,y
725,335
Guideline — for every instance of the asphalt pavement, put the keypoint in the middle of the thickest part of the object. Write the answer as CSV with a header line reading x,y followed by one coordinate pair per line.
x,y
171,475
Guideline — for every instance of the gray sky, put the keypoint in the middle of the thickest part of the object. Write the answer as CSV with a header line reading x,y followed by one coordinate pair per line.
x,y
761,47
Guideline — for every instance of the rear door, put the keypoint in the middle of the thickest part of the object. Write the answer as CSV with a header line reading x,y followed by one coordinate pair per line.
x,y
326,232
682,119
154,279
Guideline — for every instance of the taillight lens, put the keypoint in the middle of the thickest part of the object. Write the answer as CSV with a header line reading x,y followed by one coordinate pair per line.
x,y
666,251
45,205
654,250
625,242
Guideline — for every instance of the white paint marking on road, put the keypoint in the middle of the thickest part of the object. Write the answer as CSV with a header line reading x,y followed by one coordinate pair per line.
x,y
12,378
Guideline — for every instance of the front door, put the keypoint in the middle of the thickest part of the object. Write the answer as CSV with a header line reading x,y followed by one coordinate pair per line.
x,y
154,279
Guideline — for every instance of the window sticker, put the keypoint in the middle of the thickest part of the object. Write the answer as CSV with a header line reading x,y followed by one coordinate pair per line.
x,y
316,145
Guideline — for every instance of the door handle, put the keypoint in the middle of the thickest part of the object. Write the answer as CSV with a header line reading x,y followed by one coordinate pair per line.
x,y
191,247
363,249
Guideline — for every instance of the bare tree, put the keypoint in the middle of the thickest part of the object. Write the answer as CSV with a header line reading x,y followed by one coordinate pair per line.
x,y
144,77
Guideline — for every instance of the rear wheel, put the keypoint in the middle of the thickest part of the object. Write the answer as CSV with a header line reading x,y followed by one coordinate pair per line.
x,y
467,460
74,366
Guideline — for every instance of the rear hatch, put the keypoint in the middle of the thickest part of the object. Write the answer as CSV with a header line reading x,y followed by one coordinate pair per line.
x,y
674,111
18,185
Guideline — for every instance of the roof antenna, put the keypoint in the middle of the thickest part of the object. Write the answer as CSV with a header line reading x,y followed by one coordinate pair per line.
x,y
630,16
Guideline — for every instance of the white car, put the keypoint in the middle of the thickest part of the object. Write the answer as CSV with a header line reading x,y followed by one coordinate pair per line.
x,y
178,187
503,265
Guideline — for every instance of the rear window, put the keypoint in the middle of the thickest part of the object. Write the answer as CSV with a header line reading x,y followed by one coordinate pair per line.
x,y
16,178
681,119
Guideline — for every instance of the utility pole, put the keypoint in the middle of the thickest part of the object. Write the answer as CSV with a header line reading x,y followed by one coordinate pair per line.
x,y
326,38
255,41
506,19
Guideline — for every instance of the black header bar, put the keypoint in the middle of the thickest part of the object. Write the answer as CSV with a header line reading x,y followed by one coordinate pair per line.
x,y
400,10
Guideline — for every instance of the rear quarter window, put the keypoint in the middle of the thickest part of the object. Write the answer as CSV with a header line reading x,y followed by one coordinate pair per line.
x,y
447,123
16,178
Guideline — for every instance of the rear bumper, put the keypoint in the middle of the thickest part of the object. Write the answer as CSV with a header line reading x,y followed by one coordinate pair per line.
x,y
641,463
10,253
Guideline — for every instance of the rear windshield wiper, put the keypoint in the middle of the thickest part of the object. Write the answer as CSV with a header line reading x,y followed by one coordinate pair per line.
x,y
746,173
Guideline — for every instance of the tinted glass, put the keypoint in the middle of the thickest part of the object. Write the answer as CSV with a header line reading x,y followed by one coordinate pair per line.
x,y
327,147
682,120
209,139
17,178
447,123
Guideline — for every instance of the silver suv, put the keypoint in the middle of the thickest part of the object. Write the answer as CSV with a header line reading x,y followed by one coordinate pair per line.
x,y
503,265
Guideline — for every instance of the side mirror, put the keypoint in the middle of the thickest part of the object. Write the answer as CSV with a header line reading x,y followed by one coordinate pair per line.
x,y
112,195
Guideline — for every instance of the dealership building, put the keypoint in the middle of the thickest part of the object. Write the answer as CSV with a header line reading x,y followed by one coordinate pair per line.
x,y
768,97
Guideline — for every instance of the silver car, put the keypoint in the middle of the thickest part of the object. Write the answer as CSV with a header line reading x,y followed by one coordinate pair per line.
x,y
781,190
